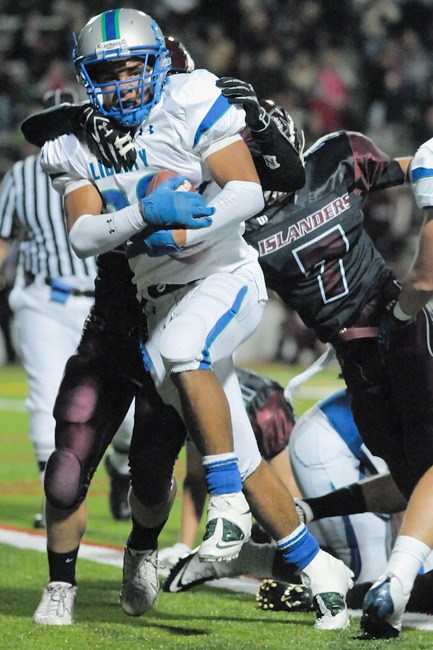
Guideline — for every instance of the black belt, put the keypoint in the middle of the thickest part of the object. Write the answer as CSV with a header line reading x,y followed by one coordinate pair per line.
x,y
158,290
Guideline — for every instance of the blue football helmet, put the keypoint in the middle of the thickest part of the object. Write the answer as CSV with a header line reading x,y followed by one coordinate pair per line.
x,y
117,36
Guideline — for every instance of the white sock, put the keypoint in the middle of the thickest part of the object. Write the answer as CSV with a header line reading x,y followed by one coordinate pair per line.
x,y
407,557
213,458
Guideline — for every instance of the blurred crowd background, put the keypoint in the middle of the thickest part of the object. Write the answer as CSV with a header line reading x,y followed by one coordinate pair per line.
x,y
363,65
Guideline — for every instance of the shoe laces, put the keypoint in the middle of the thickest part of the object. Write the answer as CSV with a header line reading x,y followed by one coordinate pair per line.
x,y
140,560
57,596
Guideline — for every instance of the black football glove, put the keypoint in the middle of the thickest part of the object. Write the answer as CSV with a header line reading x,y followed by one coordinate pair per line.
x,y
242,93
388,325
112,146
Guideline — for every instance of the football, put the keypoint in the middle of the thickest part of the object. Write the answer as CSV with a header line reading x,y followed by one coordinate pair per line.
x,y
162,176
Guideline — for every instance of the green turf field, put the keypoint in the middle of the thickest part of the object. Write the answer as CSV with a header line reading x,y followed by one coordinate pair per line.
x,y
202,618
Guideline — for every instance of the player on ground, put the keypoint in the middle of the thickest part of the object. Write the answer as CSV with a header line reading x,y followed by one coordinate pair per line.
x,y
326,452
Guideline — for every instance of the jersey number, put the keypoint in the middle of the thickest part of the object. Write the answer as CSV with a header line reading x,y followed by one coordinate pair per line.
x,y
331,275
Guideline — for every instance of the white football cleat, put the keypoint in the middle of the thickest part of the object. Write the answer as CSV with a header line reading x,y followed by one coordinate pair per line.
x,y
383,608
329,580
140,584
169,556
190,571
228,527
57,604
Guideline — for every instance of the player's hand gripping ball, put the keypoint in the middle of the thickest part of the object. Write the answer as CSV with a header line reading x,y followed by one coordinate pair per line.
x,y
165,174
164,191
164,207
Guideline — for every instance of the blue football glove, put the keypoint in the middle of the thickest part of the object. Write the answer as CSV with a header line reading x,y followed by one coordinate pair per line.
x,y
388,325
156,244
165,208
159,243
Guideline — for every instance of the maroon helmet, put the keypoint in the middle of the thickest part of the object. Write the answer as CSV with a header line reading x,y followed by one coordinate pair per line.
x,y
285,124
181,59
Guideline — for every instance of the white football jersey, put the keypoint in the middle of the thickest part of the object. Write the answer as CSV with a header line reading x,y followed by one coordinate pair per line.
x,y
192,120
421,174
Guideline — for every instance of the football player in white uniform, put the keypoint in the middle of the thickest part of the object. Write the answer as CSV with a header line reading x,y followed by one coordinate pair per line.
x,y
203,294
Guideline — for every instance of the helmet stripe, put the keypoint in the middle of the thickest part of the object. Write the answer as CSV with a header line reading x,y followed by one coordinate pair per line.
x,y
110,25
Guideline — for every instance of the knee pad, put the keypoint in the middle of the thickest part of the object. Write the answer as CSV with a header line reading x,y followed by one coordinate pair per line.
x,y
150,491
182,342
63,483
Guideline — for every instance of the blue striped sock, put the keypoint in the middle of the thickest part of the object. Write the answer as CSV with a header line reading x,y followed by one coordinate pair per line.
x,y
298,548
222,473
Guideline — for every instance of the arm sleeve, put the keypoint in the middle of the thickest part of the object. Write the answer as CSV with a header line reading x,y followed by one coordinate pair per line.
x,y
51,124
94,234
278,164
237,201
373,169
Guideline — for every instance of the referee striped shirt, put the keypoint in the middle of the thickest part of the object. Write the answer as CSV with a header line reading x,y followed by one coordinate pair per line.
x,y
33,211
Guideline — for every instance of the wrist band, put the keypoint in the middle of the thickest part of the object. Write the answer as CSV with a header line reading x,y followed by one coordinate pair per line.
x,y
400,314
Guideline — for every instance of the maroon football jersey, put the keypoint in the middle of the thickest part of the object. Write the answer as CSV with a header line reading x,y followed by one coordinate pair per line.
x,y
313,248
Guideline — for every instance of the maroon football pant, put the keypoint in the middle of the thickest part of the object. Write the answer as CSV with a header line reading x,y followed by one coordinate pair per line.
x,y
393,398
99,384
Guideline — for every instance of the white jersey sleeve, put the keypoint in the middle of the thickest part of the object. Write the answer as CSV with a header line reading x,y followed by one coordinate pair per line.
x,y
421,175
211,121
64,160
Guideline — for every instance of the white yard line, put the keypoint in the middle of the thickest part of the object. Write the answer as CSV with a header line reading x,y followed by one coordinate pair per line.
x,y
306,392
12,404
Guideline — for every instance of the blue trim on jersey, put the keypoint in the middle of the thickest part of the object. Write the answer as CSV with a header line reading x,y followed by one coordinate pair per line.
x,y
216,111
351,539
421,172
338,411
147,361
219,327
352,543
